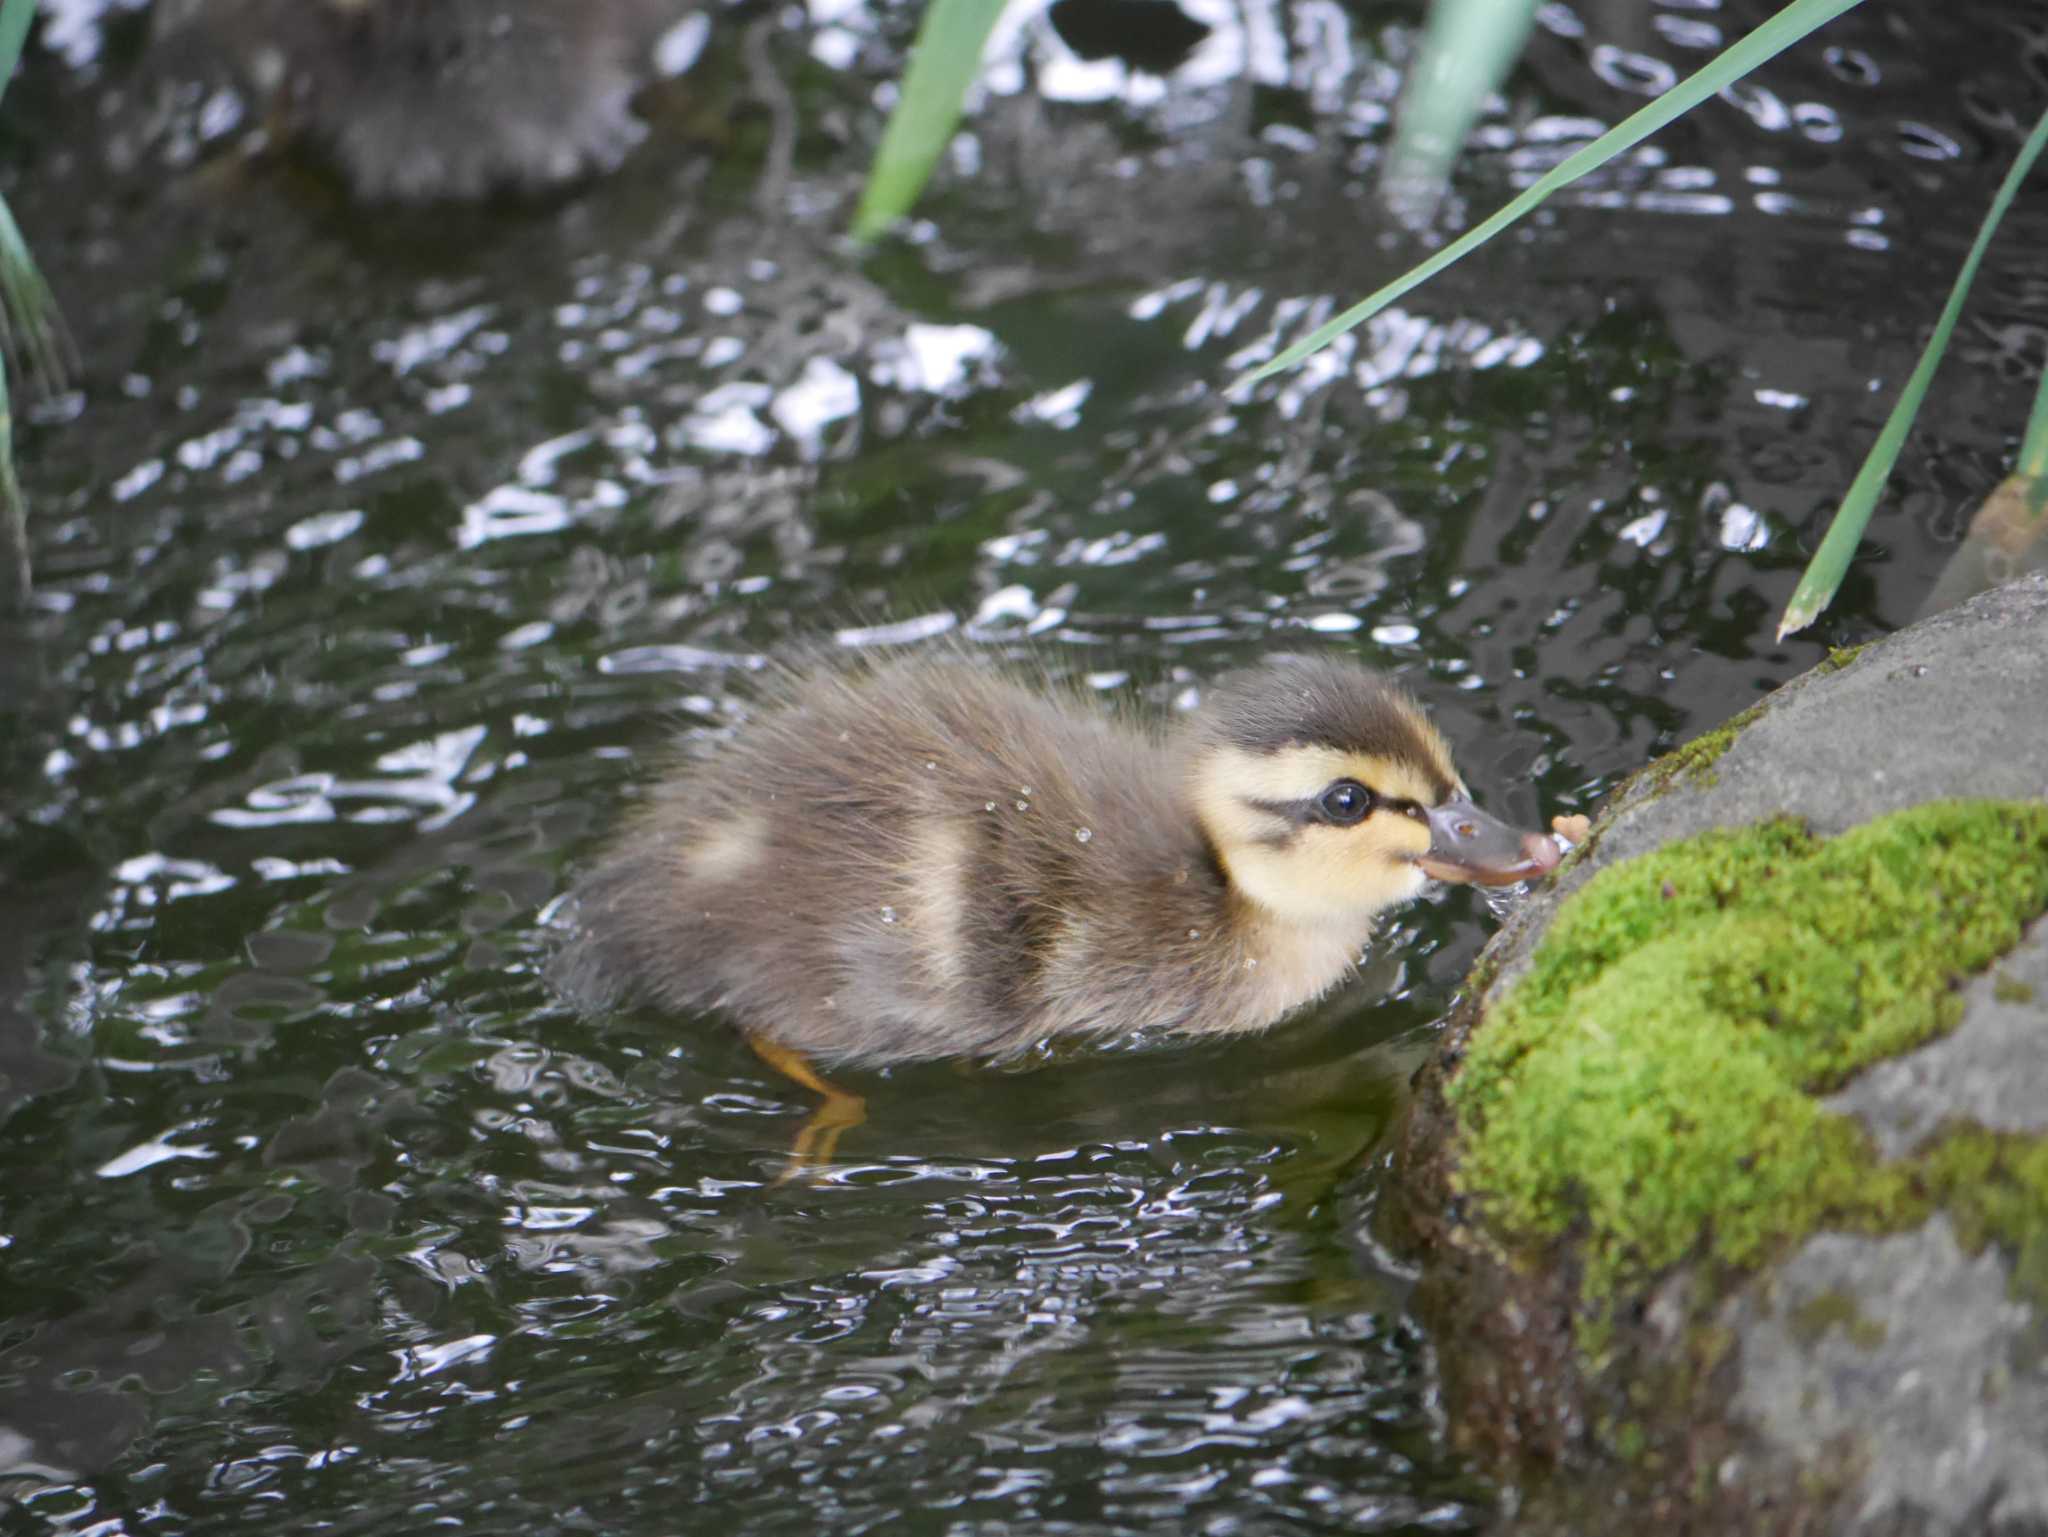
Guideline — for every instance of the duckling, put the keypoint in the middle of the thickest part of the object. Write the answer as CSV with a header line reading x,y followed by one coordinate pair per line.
x,y
915,858
422,100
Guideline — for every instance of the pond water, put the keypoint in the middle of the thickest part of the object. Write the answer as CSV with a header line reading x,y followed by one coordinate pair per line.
x,y
380,555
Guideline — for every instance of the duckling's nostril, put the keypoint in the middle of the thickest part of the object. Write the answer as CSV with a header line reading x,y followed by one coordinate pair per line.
x,y
1469,845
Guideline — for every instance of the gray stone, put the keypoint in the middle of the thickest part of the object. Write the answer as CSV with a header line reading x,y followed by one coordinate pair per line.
x,y
1924,1394
1872,1386
1992,1069
1955,706
1906,1359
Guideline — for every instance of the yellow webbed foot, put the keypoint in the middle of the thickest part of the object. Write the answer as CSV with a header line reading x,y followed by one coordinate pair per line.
x,y
819,1137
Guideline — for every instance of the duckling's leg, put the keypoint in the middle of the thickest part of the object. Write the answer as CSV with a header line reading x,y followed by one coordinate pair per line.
x,y
819,1138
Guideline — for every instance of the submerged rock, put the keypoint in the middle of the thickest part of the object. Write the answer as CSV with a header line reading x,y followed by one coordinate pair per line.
x,y
1731,1178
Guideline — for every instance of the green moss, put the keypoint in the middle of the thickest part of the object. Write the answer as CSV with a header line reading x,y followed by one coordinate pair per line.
x,y
1695,760
1629,1441
1649,1086
2008,989
1994,1186
1835,1310
1839,657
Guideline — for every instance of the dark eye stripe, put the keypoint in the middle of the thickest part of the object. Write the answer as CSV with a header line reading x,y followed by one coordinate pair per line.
x,y
1305,811
1298,812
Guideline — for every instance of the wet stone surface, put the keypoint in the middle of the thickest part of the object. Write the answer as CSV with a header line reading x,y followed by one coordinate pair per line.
x,y
1922,1390
1989,1070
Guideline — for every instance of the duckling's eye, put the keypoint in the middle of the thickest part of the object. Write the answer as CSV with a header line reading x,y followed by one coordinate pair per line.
x,y
1346,803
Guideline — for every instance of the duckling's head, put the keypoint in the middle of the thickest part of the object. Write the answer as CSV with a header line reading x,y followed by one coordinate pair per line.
x,y
1328,796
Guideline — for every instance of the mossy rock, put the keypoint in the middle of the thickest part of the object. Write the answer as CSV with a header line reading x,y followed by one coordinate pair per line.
x,y
1653,1083
1766,1064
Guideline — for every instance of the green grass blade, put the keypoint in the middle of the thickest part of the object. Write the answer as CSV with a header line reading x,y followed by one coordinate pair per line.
x,y
1467,49
1824,572
15,16
2033,460
943,63
14,563
31,329
1791,24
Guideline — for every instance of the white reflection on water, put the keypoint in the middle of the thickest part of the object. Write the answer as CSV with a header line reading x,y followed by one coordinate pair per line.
x,y
171,878
425,1360
678,49
431,341
725,420
1059,408
424,773
826,393
676,658
145,1155
901,632
1743,528
537,464
323,528
506,511
935,360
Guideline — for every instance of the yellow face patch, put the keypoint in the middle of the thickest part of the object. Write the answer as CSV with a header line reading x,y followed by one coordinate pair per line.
x,y
1303,869
1227,778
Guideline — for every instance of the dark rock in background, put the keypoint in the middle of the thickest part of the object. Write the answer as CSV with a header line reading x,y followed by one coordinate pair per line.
x,y
1155,36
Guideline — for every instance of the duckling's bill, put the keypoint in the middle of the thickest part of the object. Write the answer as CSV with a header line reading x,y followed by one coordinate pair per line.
x,y
1468,846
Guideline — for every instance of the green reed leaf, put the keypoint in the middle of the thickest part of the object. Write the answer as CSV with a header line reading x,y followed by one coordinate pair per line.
x,y
17,273
1791,24
2033,460
943,63
14,562
1830,562
1467,49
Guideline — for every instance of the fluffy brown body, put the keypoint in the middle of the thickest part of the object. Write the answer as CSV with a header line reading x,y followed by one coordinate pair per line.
x,y
418,100
914,858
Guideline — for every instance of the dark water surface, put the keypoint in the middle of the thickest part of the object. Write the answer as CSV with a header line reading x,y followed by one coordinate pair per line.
x,y
380,554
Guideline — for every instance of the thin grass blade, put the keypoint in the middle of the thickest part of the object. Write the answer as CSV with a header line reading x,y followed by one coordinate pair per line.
x,y
15,16
943,63
2033,460
1791,24
15,576
1830,562
1467,49
31,328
